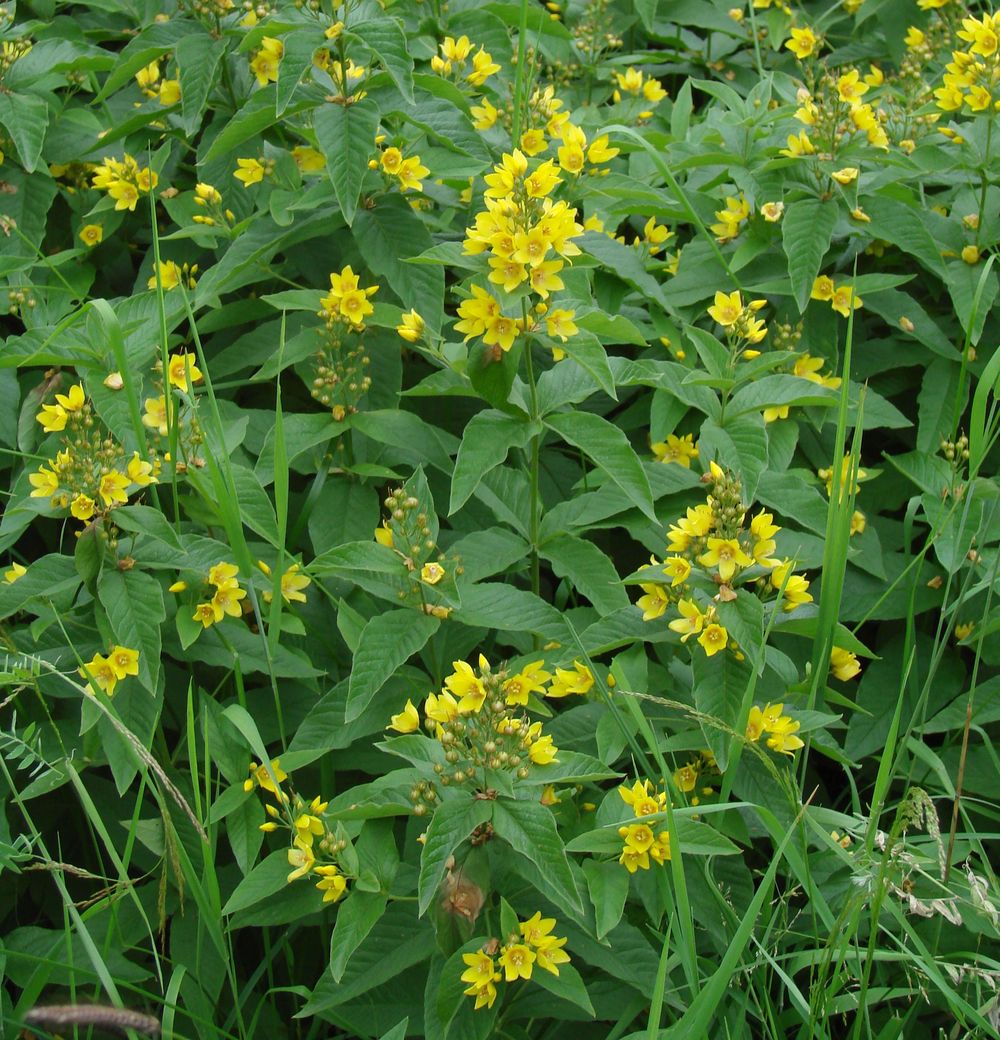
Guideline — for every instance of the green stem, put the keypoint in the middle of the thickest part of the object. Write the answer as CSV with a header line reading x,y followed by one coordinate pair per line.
x,y
522,48
535,520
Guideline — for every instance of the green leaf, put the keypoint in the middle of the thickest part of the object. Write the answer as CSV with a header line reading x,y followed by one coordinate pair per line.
x,y
197,57
386,39
806,230
387,235
266,879
777,390
494,605
586,350
453,821
530,830
567,984
26,118
133,601
346,136
486,440
46,577
356,917
387,641
607,882
626,263
936,403
741,446
296,61
609,448
588,570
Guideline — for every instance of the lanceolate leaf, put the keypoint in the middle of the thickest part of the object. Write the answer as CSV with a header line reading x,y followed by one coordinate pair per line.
x,y
346,136
386,39
485,443
197,57
25,117
530,829
453,822
610,449
806,229
387,641
133,601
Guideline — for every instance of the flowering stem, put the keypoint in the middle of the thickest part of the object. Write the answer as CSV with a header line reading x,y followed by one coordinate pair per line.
x,y
535,520
522,47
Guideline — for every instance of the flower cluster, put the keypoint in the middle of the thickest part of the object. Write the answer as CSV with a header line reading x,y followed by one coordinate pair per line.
x,y
728,556
209,198
519,229
531,946
454,57
314,846
223,577
409,534
738,320
640,842
973,75
478,721
107,672
91,473
124,181
780,727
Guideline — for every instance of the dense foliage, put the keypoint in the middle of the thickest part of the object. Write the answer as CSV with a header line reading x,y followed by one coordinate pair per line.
x,y
501,526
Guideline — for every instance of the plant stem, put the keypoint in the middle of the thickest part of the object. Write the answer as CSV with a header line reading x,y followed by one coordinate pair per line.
x,y
535,518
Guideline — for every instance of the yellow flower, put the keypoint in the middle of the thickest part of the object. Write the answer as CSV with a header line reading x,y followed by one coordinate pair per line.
x,y
139,471
301,858
148,75
481,974
264,64
567,682
772,211
846,175
52,417
543,751
99,670
16,571
654,603
112,488
550,954
249,171
858,522
691,621
822,288
516,960
206,614
332,883
726,554
727,308
530,679
914,37
223,575
124,661
803,43
678,568
685,778
533,141
798,145
600,151
432,573
411,327
260,777
170,92
467,687
843,664
227,601
679,450
483,66
45,482
713,639
484,115
559,323
783,739
845,300
91,234
850,87
82,507
177,371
